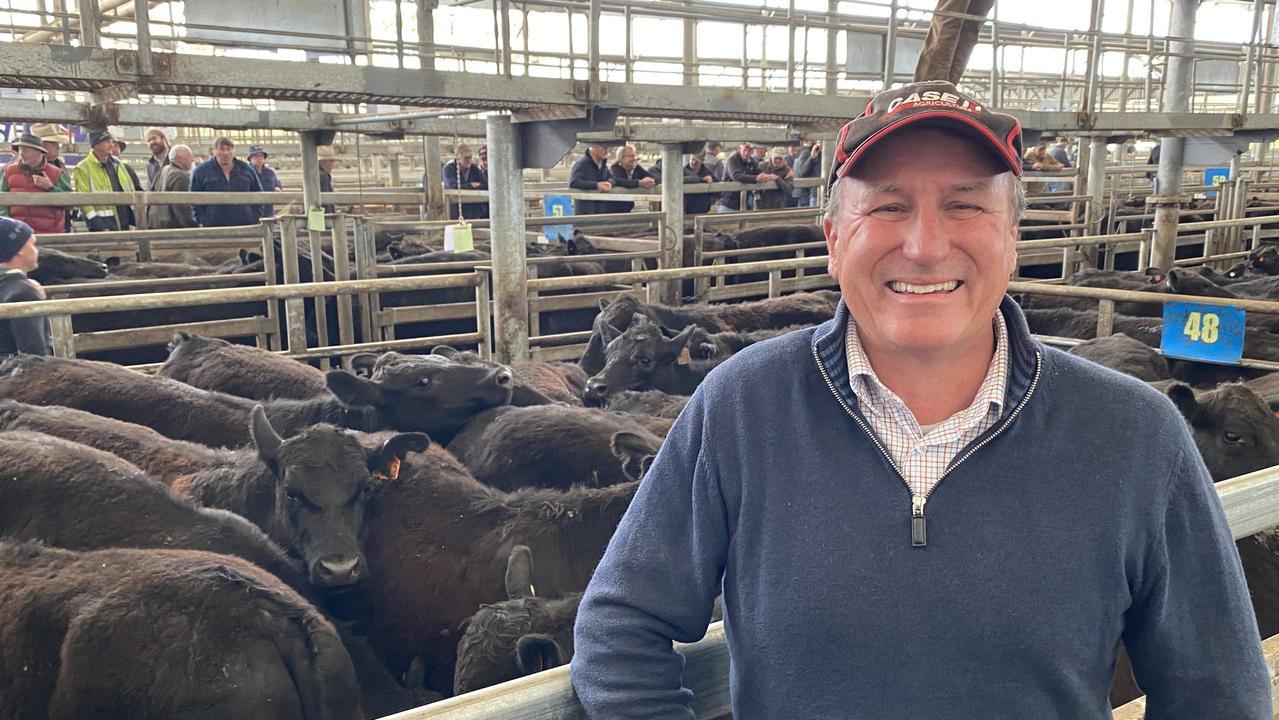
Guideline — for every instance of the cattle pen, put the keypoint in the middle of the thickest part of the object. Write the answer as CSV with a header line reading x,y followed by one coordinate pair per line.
x,y
423,283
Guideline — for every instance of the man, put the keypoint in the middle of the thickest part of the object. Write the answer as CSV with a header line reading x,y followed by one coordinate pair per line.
x,y
809,165
53,137
326,159
158,144
18,256
627,173
740,167
101,172
224,172
1039,159
713,161
267,178
484,161
695,171
174,177
591,174
916,509
777,167
462,174
30,172
1061,152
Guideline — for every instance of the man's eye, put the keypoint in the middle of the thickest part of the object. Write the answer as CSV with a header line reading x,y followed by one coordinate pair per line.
x,y
963,210
889,212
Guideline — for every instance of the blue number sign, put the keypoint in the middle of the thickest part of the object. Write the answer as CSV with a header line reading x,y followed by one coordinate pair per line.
x,y
1214,176
558,206
1210,333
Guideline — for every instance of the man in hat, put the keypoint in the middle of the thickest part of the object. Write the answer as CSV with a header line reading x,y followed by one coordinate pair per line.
x,y
461,173
266,176
327,159
52,137
916,509
591,174
174,177
713,161
31,172
158,144
100,171
741,167
777,167
117,148
628,173
18,256
224,172
808,165
695,171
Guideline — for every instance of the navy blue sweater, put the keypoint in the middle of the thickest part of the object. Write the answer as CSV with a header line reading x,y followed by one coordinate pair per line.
x,y
1083,517
208,177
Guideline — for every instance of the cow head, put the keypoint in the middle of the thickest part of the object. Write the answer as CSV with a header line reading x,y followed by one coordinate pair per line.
x,y
59,267
1235,430
1187,282
636,358
323,478
428,393
1265,260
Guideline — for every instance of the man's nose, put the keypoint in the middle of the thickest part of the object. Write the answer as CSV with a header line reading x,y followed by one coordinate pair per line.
x,y
926,241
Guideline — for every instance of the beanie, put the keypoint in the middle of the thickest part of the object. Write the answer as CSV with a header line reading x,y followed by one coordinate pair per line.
x,y
13,236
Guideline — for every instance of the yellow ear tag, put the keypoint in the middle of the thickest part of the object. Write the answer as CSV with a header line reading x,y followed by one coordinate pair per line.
x,y
392,471
684,357
458,238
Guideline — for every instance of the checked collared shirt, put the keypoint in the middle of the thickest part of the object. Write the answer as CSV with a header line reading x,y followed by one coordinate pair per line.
x,y
923,454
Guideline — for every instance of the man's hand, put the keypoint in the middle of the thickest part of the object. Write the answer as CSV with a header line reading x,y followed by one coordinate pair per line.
x,y
709,179
647,182
765,177
1036,166
603,186
475,184
816,148
42,182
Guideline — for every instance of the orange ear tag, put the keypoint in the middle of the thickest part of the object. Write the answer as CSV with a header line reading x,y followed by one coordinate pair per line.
x,y
684,357
392,471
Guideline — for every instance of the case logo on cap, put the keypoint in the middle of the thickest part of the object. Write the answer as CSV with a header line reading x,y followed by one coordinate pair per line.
x,y
932,98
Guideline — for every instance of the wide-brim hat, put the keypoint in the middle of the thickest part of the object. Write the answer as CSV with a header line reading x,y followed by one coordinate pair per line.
x,y
30,141
49,132
257,150
325,152
935,102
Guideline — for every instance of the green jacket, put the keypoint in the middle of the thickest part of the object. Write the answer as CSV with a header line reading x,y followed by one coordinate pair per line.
x,y
91,176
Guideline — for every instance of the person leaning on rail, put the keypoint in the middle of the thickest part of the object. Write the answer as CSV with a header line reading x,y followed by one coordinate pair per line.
x,y
916,509
18,256
31,172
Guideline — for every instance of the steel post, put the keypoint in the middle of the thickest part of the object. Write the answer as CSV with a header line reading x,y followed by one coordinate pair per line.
x,y
426,34
790,47
1096,190
510,273
672,237
142,21
832,74
1258,9
89,36
432,180
1177,84
890,46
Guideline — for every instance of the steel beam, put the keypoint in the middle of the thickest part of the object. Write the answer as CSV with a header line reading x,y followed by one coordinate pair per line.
x,y
672,236
426,33
89,36
510,272
1172,149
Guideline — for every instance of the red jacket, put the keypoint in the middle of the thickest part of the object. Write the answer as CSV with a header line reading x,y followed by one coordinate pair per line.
x,y
43,220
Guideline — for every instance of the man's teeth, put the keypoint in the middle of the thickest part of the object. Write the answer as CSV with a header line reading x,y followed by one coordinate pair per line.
x,y
902,287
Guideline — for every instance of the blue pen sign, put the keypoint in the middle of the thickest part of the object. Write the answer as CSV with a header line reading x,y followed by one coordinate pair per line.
x,y
1214,176
558,206
1210,333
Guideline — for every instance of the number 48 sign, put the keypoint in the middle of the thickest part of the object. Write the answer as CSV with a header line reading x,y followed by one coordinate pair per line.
x,y
1210,333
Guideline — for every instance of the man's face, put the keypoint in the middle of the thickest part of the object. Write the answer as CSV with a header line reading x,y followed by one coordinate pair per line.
x,y
484,158
598,152
746,150
184,160
225,154
464,160
28,258
694,163
778,163
942,229
157,144
30,157
759,153
258,161
50,149
327,165
115,148
102,150
627,159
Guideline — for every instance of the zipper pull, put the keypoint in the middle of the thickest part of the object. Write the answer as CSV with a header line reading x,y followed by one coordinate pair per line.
x,y
918,524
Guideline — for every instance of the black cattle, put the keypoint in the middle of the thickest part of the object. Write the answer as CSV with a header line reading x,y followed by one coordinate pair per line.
x,y
554,446
243,370
522,635
311,497
1235,430
1264,260
57,267
653,403
74,496
535,382
1126,355
417,393
643,358
162,634
124,270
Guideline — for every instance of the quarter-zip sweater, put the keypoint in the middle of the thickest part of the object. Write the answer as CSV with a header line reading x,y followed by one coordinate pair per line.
x,y
1082,517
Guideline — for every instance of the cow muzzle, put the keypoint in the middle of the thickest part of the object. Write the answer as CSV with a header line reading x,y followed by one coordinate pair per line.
x,y
337,571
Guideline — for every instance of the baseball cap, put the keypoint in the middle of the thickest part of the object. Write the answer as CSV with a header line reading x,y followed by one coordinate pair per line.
x,y
935,102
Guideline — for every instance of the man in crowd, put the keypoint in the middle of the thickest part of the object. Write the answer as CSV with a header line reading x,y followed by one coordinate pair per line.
x,y
713,161
31,172
1061,152
327,159
782,174
809,165
99,172
1039,159
591,174
461,173
483,162
917,509
117,148
53,137
741,167
627,173
267,178
695,171
174,177
18,256
224,172
158,144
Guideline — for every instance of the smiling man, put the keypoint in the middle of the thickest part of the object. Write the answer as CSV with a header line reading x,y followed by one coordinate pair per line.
x,y
917,510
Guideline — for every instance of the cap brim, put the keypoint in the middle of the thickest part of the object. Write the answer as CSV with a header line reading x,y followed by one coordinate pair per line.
x,y
970,126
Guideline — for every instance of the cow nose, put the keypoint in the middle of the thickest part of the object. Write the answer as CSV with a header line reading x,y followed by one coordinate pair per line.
x,y
504,376
335,571
596,391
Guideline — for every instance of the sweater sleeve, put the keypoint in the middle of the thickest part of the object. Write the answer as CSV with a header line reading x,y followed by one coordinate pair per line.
x,y
580,179
656,584
619,178
30,334
1191,631
199,212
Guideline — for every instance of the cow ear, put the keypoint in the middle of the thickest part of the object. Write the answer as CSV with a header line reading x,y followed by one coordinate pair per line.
x,y
603,303
608,333
678,346
634,451
394,251
353,391
112,262
265,439
536,652
447,351
1183,396
385,461
362,364
519,573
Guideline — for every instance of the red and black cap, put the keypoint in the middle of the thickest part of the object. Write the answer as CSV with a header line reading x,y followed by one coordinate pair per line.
x,y
933,102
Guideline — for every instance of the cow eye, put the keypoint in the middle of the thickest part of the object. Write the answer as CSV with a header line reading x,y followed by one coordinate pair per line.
x,y
293,496
1232,438
645,361
424,382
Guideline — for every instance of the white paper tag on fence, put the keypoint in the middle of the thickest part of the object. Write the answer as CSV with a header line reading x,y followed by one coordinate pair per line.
x,y
458,238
